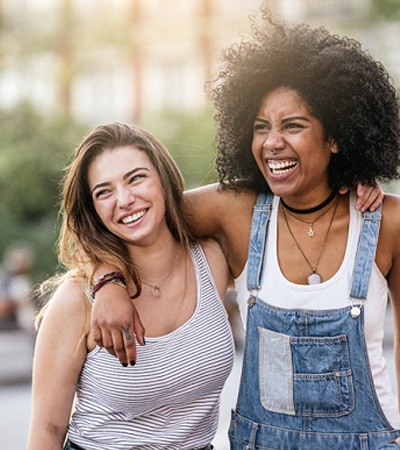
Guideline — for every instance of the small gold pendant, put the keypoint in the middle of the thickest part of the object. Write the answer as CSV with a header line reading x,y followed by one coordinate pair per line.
x,y
156,291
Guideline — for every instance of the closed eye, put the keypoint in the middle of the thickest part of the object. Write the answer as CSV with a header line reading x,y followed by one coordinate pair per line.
x,y
293,126
261,127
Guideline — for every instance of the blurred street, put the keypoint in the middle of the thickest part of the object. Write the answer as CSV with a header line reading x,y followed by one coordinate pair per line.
x,y
15,365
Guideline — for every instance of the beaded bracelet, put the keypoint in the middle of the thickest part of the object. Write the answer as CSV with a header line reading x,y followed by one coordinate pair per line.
x,y
112,277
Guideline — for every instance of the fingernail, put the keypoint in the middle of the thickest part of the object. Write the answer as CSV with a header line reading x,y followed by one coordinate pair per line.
x,y
124,364
133,362
144,341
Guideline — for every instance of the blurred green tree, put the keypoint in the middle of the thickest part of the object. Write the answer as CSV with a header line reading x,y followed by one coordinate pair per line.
x,y
385,9
190,137
34,149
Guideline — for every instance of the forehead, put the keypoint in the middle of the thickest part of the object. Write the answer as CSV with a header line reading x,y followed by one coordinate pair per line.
x,y
126,155
283,100
116,162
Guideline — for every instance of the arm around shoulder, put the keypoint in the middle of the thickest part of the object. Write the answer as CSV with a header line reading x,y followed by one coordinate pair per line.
x,y
210,209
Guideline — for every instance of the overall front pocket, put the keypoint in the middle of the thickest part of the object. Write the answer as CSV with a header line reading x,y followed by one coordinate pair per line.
x,y
305,376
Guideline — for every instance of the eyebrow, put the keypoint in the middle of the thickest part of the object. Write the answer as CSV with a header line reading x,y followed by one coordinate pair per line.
x,y
285,120
125,176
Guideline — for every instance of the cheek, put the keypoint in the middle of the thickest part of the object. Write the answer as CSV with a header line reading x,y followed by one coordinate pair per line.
x,y
256,149
102,211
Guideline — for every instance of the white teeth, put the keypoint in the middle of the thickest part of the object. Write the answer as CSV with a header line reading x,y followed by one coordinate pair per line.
x,y
281,167
133,217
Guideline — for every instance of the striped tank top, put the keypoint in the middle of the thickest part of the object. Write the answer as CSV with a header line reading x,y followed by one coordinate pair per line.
x,y
170,398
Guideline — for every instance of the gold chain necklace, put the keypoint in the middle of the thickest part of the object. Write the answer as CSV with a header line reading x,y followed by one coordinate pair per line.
x,y
156,288
314,277
310,224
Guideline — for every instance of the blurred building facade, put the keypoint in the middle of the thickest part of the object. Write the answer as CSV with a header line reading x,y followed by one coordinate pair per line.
x,y
102,60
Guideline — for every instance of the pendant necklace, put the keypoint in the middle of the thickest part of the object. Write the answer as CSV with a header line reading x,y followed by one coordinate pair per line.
x,y
314,277
310,224
156,288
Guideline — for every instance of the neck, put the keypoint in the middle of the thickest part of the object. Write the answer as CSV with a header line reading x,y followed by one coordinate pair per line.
x,y
153,261
314,208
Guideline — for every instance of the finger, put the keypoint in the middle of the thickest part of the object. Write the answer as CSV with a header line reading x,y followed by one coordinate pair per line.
x,y
97,336
378,200
127,345
119,348
108,342
363,195
130,343
139,330
130,351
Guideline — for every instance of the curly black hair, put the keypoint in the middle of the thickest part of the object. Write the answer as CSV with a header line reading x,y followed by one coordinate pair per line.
x,y
344,87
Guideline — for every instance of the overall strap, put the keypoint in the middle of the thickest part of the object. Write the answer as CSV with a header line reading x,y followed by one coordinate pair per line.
x,y
365,256
258,240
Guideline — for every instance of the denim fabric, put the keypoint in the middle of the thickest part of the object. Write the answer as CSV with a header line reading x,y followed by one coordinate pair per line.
x,y
306,381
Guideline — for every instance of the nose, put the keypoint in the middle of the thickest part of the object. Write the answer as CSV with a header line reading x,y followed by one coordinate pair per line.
x,y
273,142
125,199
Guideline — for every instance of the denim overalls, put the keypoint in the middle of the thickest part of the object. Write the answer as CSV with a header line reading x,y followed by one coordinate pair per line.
x,y
306,381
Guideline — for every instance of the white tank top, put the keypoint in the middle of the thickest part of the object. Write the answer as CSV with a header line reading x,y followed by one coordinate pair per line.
x,y
170,398
331,294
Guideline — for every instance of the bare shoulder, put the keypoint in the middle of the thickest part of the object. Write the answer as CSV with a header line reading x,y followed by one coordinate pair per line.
x,y
391,214
388,251
225,215
217,263
68,302
210,208
213,251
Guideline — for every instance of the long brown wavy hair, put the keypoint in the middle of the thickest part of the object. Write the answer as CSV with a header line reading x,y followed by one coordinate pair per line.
x,y
84,240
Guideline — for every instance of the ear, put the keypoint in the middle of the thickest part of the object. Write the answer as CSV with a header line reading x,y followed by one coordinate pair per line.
x,y
333,145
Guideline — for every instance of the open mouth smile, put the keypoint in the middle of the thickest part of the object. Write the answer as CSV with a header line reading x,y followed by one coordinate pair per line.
x,y
280,167
133,218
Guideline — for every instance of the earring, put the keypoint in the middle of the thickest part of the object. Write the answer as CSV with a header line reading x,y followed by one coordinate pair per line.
x,y
272,152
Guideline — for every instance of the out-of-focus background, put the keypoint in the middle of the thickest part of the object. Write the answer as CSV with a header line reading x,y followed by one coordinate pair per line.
x,y
68,65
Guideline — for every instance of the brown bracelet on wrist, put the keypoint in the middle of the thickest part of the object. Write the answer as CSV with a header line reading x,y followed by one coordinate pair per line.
x,y
114,277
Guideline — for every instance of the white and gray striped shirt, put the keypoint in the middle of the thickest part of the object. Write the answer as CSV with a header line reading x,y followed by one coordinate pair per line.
x,y
170,398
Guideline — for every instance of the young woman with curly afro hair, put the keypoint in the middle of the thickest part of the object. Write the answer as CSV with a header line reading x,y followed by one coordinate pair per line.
x,y
302,115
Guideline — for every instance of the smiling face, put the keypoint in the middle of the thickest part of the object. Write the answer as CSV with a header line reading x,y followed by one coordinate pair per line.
x,y
127,195
298,168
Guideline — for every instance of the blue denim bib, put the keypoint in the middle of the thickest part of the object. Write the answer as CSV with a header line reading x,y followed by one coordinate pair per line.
x,y
306,380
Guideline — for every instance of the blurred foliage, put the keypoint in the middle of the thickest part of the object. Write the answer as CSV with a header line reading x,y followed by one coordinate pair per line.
x,y
35,149
385,9
190,138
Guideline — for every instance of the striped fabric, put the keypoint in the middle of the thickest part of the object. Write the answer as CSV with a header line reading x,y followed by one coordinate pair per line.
x,y
170,398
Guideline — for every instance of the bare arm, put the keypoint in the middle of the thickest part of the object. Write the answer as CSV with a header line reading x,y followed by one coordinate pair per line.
x,y
115,321
223,215
206,209
59,355
392,247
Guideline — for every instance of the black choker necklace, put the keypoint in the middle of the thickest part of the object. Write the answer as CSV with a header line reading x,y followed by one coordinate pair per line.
x,y
332,195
